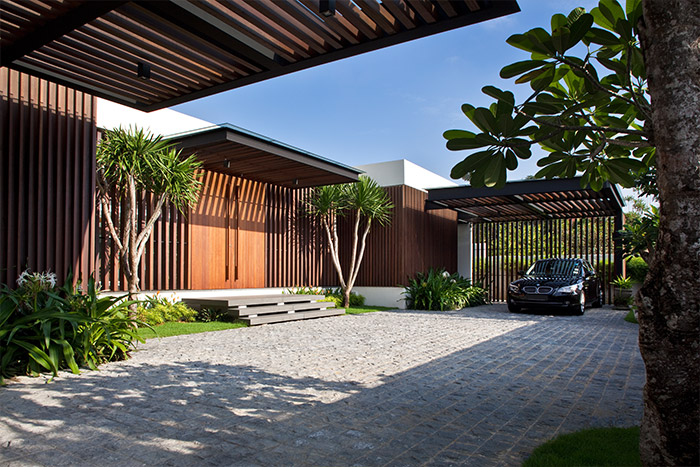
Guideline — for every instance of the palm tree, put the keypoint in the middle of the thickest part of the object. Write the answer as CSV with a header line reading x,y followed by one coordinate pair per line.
x,y
132,161
367,202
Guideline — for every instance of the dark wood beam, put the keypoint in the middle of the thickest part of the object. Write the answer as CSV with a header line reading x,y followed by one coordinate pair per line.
x,y
190,17
57,28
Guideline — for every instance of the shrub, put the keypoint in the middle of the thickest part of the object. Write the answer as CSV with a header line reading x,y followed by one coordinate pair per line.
x,y
45,328
332,295
208,315
440,290
159,313
637,269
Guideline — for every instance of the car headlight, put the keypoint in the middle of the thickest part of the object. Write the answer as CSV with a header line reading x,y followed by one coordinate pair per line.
x,y
568,290
514,288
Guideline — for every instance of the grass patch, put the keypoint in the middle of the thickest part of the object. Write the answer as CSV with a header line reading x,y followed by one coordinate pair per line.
x,y
178,329
630,317
592,447
358,310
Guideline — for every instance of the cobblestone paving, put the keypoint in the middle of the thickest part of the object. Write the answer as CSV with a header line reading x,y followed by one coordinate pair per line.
x,y
473,387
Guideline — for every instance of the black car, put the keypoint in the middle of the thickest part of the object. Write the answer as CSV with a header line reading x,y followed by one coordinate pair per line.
x,y
568,284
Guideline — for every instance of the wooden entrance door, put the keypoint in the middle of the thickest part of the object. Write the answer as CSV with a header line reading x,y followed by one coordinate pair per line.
x,y
227,234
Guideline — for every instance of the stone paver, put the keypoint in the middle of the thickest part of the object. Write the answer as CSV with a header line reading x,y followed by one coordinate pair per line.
x,y
473,387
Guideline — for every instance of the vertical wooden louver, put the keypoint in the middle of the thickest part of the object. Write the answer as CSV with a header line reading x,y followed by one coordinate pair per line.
x,y
501,249
47,165
415,241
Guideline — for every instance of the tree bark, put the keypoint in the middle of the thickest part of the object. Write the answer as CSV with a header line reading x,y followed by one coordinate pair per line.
x,y
669,300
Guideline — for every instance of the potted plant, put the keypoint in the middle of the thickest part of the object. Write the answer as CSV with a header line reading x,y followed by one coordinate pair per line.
x,y
623,293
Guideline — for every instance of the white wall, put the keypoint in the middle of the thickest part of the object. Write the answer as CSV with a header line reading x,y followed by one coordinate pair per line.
x,y
464,250
160,122
382,296
404,172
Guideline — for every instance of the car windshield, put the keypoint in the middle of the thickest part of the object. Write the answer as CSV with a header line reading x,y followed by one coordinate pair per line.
x,y
555,268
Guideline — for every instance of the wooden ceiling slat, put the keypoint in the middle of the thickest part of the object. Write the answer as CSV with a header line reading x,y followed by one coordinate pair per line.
x,y
209,33
358,19
379,15
399,9
311,21
242,20
118,29
52,72
289,34
98,65
299,30
447,7
336,23
473,5
88,44
426,10
48,57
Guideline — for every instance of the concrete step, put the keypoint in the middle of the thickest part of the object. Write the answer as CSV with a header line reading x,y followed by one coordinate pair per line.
x,y
243,311
297,315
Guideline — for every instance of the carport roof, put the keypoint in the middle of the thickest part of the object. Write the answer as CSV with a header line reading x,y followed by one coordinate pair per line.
x,y
528,200
155,54
233,150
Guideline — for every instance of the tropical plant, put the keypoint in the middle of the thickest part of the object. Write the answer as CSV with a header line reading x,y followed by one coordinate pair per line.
x,y
133,162
439,290
44,328
639,234
624,107
366,202
637,269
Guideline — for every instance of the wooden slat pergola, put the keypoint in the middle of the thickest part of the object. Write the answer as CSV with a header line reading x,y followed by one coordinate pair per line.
x,y
510,227
155,54
528,200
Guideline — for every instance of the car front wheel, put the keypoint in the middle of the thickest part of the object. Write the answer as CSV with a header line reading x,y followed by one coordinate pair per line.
x,y
581,307
513,308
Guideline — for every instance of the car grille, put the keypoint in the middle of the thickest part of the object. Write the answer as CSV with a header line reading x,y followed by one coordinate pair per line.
x,y
539,290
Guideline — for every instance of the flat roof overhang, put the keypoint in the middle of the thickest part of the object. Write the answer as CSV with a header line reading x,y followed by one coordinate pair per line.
x,y
155,54
528,200
236,151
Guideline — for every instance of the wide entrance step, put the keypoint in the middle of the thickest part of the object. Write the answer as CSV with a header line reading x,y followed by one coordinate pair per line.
x,y
267,309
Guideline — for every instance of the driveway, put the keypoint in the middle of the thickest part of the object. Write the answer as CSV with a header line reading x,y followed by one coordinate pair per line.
x,y
474,387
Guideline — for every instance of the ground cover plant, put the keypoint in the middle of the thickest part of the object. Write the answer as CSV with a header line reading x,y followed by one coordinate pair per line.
x,y
179,328
439,290
48,328
593,447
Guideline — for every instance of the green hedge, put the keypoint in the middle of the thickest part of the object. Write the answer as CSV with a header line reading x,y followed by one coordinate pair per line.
x,y
637,269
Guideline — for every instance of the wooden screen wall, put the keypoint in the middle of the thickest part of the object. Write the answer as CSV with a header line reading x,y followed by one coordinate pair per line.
x,y
500,250
164,265
414,241
47,166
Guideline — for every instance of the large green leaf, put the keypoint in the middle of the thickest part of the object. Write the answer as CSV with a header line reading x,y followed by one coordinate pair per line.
x,y
470,163
518,68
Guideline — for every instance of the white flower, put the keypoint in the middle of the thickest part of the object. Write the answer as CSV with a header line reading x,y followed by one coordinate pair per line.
x,y
445,274
23,278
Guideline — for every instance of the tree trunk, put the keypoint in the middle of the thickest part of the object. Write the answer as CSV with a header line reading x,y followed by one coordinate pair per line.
x,y
669,312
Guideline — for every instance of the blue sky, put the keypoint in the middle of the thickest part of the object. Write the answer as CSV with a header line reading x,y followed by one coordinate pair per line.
x,y
389,104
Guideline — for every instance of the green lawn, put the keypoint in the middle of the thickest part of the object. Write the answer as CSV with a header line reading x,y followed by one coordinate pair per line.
x,y
178,329
357,310
593,447
630,317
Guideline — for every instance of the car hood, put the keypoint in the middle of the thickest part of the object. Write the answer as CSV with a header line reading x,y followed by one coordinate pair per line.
x,y
546,281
